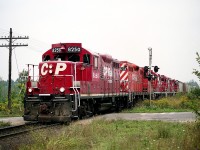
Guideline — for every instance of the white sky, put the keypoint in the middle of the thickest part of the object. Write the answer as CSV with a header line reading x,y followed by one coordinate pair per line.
x,y
122,28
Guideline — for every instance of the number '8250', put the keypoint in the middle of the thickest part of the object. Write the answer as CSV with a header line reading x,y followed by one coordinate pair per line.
x,y
74,49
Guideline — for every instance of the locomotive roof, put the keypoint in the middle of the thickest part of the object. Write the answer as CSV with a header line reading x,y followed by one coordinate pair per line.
x,y
136,67
92,52
63,48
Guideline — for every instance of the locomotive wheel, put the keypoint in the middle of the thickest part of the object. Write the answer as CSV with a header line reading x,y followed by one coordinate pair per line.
x,y
118,106
81,112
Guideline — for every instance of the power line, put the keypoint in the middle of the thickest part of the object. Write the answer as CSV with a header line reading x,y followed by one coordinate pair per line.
x,y
11,45
16,62
32,41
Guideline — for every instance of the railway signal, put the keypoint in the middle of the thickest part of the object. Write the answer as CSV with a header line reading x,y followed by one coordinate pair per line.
x,y
156,68
146,69
150,77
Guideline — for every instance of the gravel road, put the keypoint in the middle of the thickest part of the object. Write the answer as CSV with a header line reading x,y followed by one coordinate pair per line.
x,y
173,116
170,117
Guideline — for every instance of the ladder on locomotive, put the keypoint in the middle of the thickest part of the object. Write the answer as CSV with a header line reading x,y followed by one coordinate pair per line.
x,y
75,88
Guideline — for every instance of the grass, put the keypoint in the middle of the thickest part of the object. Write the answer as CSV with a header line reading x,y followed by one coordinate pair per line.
x,y
4,124
15,113
153,109
179,103
119,134
17,110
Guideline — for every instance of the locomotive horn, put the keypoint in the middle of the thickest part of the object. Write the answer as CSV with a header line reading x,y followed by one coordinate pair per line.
x,y
62,47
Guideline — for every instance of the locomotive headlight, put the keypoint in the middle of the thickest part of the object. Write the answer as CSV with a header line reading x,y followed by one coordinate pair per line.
x,y
62,89
30,90
50,66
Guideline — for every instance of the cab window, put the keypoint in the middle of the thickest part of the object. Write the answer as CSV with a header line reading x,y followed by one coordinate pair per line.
x,y
86,58
115,65
74,58
124,68
59,57
46,58
95,62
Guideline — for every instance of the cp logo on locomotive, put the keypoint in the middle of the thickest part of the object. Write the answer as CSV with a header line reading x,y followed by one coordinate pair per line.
x,y
48,68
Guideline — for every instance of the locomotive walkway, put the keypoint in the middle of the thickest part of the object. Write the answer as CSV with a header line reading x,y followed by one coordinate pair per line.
x,y
171,117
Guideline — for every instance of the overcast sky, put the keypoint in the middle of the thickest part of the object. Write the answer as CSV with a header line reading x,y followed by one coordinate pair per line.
x,y
122,28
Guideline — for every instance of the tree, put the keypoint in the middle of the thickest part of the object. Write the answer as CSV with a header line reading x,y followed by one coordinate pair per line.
x,y
21,83
3,90
18,92
196,72
197,91
193,84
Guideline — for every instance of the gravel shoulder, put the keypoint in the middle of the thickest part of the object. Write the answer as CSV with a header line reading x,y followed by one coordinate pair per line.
x,y
171,117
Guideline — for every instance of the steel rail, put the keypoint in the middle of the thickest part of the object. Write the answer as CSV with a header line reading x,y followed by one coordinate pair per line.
x,y
20,129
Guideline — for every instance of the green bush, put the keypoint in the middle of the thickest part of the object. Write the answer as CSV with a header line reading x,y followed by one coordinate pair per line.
x,y
161,103
3,106
194,94
177,102
17,108
194,97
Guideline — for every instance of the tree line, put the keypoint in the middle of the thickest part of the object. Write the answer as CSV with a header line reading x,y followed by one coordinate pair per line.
x,y
17,92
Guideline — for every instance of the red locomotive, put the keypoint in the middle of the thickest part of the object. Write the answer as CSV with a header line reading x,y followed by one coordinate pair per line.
x,y
74,82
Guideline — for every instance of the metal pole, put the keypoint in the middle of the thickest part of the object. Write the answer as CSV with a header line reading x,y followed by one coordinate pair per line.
x,y
10,46
150,61
9,70
33,73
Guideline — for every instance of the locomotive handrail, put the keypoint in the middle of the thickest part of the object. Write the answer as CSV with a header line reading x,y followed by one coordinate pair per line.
x,y
33,66
75,89
32,78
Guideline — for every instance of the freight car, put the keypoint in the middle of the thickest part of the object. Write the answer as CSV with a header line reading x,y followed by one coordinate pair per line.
x,y
74,82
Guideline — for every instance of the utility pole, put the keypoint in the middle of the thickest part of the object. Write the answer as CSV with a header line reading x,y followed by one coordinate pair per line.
x,y
11,45
150,61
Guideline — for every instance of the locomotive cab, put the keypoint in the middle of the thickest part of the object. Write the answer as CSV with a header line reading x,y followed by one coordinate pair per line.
x,y
57,95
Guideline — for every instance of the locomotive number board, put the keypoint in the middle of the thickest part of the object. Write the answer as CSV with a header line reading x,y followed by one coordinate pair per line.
x,y
56,50
73,49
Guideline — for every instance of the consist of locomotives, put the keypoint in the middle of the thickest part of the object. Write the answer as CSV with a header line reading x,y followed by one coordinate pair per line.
x,y
74,82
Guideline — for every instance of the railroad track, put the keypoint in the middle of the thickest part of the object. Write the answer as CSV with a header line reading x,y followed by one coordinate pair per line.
x,y
21,129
